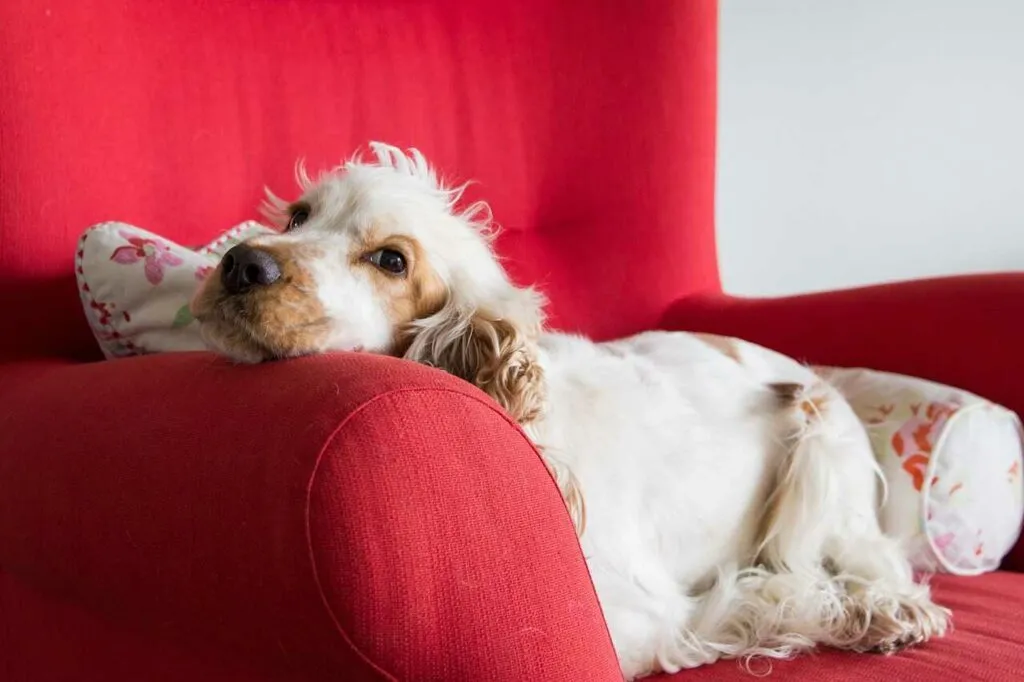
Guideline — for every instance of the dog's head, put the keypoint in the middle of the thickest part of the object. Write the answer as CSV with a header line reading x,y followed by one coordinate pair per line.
x,y
375,257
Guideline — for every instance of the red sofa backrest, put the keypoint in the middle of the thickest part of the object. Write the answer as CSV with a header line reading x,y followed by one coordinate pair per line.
x,y
589,127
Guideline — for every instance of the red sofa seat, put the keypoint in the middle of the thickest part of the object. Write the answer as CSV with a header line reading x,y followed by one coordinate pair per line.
x,y
355,517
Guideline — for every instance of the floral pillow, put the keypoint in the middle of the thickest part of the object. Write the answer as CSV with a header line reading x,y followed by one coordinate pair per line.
x,y
135,286
952,464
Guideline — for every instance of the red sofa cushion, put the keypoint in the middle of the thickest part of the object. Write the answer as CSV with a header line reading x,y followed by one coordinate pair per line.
x,y
589,128
72,644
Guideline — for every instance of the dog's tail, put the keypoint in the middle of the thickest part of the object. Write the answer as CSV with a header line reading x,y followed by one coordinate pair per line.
x,y
806,494
824,572
788,601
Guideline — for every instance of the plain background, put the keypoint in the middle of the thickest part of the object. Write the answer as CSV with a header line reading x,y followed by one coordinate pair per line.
x,y
864,141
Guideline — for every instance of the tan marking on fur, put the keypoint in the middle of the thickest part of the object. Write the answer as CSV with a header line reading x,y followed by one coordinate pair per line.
x,y
786,393
723,344
417,294
790,394
814,408
287,311
204,300
285,318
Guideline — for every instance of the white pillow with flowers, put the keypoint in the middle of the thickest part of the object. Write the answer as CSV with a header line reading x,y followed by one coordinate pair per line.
x,y
136,286
952,465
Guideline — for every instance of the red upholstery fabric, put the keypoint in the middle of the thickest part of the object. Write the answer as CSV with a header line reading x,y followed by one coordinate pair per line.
x,y
987,644
357,516
349,517
47,636
964,331
586,125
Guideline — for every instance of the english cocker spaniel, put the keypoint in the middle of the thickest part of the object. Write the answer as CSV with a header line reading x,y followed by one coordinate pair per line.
x,y
725,497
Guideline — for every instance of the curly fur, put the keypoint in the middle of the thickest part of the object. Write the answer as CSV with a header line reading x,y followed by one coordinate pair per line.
x,y
494,354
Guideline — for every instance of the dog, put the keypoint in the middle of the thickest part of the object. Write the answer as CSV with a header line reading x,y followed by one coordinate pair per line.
x,y
725,496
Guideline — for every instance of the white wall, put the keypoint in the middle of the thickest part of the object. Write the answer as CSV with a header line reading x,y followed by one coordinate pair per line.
x,y
862,141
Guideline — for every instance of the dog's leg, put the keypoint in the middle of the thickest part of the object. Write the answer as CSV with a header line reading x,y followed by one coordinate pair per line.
x,y
834,578
886,609
649,618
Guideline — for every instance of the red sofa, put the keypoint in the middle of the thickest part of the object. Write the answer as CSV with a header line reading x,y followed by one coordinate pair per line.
x,y
351,517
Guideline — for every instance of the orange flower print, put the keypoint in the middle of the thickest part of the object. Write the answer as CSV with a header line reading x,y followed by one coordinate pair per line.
x,y
916,466
915,439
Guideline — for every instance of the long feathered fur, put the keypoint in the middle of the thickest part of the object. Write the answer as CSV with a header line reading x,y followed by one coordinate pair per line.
x,y
725,496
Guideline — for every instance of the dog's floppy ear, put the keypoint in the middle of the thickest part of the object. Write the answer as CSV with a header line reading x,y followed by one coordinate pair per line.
x,y
491,345
494,347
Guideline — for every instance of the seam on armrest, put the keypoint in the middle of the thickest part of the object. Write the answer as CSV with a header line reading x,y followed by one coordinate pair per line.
x,y
375,666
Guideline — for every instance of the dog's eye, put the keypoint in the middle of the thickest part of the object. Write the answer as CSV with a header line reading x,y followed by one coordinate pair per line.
x,y
388,260
299,215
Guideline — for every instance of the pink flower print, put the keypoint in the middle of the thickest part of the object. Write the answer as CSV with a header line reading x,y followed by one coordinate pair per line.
x,y
203,271
943,541
156,255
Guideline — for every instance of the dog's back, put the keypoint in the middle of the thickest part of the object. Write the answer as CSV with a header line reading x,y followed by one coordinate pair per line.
x,y
728,490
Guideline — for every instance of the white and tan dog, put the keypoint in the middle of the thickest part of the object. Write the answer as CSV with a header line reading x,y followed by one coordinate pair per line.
x,y
726,498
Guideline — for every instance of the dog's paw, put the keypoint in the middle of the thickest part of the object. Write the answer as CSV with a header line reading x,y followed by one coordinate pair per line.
x,y
891,624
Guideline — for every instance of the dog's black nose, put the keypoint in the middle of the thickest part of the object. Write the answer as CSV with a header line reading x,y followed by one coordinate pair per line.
x,y
244,267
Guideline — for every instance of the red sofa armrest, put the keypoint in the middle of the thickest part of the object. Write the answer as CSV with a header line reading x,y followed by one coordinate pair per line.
x,y
963,331
358,516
